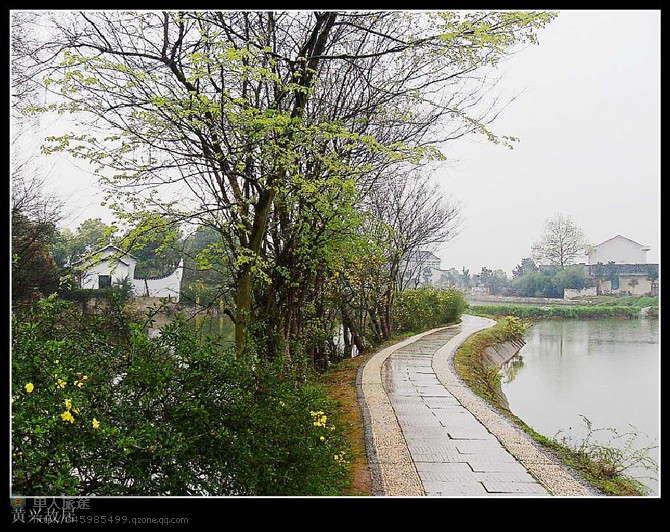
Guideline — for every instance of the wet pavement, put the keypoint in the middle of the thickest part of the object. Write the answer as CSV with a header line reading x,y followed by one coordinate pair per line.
x,y
428,434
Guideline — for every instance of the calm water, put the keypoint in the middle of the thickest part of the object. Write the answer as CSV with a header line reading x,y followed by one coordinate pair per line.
x,y
606,370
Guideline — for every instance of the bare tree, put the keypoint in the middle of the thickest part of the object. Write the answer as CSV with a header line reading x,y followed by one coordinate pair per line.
x,y
560,243
34,215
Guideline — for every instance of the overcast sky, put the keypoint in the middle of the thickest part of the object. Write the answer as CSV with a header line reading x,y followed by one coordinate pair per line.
x,y
588,118
589,128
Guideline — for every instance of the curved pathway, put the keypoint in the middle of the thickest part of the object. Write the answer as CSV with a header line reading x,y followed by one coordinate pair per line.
x,y
429,434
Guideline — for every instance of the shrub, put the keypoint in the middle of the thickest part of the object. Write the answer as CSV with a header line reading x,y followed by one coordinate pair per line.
x,y
106,410
425,308
542,312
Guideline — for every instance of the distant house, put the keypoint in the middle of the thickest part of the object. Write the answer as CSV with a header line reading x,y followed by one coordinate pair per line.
x,y
422,268
110,265
106,267
624,279
619,250
618,266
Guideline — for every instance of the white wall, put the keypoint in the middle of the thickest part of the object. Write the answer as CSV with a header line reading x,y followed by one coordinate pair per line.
x,y
569,293
117,270
619,251
162,287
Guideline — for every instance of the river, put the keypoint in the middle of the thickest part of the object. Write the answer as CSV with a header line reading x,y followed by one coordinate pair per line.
x,y
605,370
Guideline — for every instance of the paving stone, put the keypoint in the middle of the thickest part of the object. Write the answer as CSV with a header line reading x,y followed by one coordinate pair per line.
x,y
427,432
479,446
492,466
443,468
454,476
504,476
454,489
466,433
433,391
438,456
429,449
441,402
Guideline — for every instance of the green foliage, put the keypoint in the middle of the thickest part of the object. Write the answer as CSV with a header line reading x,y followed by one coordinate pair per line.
x,y
550,282
426,308
100,408
472,365
494,280
556,311
603,463
513,328
627,301
91,235
569,277
34,272
534,284
527,266
155,241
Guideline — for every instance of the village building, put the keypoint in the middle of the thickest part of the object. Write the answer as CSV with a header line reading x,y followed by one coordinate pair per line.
x,y
423,268
110,265
618,266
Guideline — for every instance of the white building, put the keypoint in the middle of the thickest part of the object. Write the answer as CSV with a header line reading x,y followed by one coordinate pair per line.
x,y
619,250
619,266
422,268
106,267
111,265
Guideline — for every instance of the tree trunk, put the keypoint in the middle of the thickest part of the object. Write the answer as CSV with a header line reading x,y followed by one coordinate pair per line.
x,y
245,277
348,348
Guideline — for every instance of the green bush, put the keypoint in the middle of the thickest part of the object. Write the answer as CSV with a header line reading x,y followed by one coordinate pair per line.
x,y
106,410
542,312
426,308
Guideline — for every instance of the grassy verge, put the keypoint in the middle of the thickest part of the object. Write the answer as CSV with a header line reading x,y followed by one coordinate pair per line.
x,y
626,301
340,383
597,464
538,312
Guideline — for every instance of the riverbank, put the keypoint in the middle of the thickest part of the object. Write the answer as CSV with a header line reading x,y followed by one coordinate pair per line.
x,y
532,312
481,374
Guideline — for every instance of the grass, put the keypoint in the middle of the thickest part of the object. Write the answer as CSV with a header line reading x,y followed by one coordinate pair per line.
x,y
599,469
627,301
536,312
340,383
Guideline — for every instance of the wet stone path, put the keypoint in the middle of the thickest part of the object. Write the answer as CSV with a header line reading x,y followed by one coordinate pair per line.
x,y
453,453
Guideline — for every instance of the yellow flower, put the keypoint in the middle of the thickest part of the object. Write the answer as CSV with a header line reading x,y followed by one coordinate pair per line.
x,y
336,457
29,387
84,378
96,424
57,361
60,383
322,438
67,416
68,404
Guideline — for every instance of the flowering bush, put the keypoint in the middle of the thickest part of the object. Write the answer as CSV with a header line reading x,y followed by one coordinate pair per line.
x,y
98,407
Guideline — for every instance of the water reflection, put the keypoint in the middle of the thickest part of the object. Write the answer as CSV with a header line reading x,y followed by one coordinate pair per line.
x,y
511,368
606,370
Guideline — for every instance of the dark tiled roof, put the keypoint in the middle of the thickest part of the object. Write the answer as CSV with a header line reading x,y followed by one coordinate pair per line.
x,y
623,269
